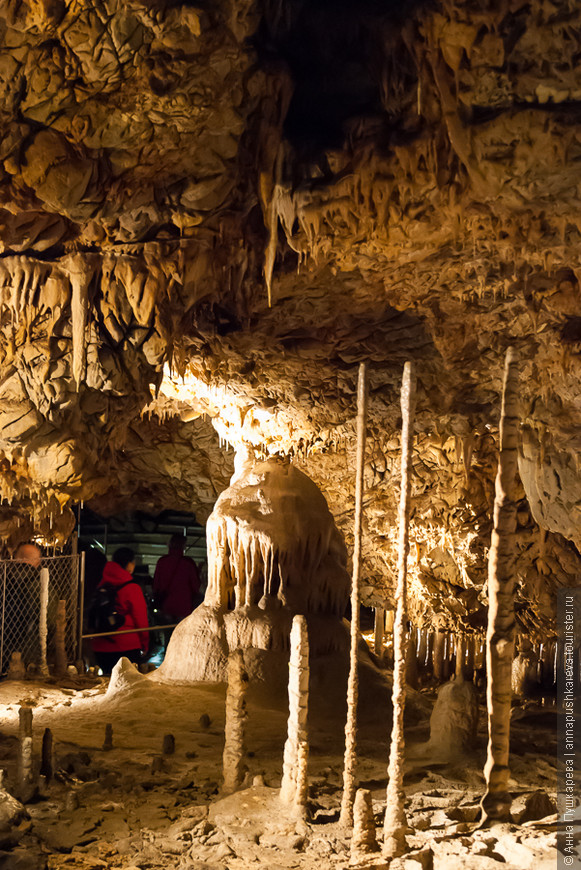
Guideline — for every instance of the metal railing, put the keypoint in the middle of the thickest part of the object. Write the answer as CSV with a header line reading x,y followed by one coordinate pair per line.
x,y
20,608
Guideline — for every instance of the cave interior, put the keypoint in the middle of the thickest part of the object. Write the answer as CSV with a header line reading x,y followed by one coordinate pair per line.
x,y
214,216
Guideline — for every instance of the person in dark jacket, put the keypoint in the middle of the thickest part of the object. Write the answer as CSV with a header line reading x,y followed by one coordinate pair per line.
x,y
176,582
176,585
130,602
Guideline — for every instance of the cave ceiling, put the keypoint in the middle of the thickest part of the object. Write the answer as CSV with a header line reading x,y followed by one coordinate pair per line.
x,y
211,213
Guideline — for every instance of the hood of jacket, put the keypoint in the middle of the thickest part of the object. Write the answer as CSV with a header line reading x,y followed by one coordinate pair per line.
x,y
115,574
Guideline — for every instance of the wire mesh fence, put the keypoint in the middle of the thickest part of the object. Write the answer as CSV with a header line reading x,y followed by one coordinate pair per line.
x,y
20,608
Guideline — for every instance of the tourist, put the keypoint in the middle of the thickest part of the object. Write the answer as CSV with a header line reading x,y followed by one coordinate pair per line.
x,y
176,584
130,601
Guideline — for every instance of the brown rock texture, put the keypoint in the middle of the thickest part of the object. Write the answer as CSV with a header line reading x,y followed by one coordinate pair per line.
x,y
403,182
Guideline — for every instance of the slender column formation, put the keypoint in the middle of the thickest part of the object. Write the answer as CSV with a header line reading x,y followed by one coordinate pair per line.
x,y
496,802
364,840
42,620
298,703
60,648
394,842
350,760
233,758
25,774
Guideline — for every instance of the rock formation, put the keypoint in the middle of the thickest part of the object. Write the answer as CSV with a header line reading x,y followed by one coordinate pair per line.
x,y
273,552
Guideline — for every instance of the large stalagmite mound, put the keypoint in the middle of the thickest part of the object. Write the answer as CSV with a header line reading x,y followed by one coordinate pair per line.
x,y
273,551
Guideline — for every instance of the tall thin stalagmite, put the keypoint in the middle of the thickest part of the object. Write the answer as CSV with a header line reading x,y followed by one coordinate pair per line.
x,y
293,784
233,758
346,817
496,802
395,825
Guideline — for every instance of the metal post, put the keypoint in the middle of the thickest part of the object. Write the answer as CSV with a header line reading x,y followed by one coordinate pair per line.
x,y
42,624
81,605
3,622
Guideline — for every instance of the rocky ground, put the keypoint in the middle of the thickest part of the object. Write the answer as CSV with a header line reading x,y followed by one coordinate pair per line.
x,y
135,807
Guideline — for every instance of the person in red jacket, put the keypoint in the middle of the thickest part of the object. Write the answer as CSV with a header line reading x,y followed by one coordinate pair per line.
x,y
176,584
130,602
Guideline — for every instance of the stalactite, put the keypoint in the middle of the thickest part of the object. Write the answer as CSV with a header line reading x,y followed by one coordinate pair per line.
x,y
470,657
378,631
271,221
496,802
394,842
79,274
233,758
298,700
460,656
346,817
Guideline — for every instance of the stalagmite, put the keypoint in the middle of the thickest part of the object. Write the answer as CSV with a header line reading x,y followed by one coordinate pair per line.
x,y
379,631
394,842
346,817
16,669
108,741
364,840
25,773
42,620
168,744
47,765
60,648
500,633
233,758
298,702
302,785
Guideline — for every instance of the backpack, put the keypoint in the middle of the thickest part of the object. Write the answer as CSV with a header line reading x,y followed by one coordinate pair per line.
x,y
104,614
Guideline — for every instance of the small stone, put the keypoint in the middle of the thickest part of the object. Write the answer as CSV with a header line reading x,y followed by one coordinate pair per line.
x,y
537,806
258,781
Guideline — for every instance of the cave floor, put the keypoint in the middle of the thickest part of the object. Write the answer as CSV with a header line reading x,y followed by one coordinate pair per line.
x,y
107,809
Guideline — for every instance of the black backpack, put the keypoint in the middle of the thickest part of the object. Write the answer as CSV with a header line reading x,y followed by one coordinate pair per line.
x,y
104,614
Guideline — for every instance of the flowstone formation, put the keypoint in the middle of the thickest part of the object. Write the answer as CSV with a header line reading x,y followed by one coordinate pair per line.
x,y
273,552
